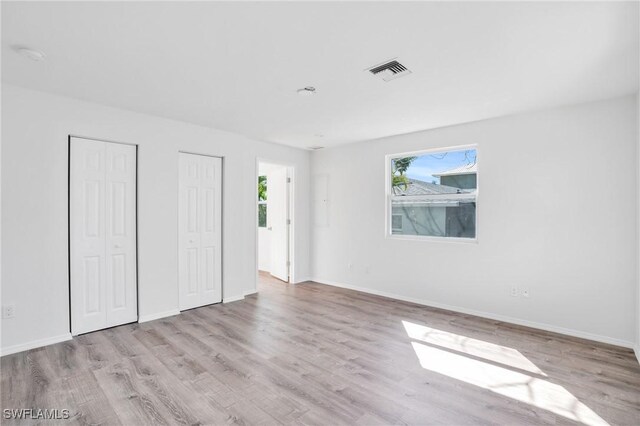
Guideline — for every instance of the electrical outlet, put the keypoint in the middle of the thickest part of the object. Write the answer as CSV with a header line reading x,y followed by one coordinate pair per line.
x,y
8,311
525,292
513,291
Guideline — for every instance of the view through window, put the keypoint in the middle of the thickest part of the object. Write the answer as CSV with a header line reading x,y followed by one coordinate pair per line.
x,y
434,194
262,201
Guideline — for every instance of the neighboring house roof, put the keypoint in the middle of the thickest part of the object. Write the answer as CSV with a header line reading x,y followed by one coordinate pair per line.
x,y
467,169
418,187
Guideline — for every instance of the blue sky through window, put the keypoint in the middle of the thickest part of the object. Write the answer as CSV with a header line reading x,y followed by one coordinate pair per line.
x,y
425,165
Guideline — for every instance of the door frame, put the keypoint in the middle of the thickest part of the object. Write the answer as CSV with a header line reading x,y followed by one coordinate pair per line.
x,y
137,196
222,214
291,207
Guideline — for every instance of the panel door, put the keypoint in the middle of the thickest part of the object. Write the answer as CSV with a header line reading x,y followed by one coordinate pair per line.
x,y
102,208
277,201
87,228
120,230
200,230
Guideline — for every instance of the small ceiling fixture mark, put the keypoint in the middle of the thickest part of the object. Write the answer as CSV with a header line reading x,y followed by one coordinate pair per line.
x,y
34,55
306,91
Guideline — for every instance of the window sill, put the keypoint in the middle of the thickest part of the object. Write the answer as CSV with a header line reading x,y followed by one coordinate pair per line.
x,y
433,239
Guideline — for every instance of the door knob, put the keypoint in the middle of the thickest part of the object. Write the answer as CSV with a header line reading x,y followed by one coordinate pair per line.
x,y
269,229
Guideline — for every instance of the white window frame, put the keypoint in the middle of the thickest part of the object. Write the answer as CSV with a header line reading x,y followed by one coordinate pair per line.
x,y
401,222
389,197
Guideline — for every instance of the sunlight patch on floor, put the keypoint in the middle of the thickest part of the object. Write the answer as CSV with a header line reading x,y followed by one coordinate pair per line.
x,y
467,345
517,385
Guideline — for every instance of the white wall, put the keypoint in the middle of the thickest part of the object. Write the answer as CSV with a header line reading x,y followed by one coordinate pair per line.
x,y
637,348
557,214
34,206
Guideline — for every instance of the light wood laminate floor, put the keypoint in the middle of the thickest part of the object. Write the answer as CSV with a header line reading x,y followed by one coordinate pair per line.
x,y
314,354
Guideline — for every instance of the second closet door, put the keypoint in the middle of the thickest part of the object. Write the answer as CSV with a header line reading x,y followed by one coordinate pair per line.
x,y
200,230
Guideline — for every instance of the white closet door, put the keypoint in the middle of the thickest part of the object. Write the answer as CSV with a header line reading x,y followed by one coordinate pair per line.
x,y
87,209
102,207
200,230
120,229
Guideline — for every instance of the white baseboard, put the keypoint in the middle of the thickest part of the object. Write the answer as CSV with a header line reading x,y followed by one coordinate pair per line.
x,y
497,317
151,317
35,344
249,293
302,280
637,351
232,299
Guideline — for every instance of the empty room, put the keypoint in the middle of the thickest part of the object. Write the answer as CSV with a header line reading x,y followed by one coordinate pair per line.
x,y
320,213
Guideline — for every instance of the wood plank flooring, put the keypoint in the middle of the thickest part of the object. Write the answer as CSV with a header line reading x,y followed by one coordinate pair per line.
x,y
315,354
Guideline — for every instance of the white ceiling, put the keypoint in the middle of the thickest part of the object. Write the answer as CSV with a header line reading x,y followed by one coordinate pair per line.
x,y
236,66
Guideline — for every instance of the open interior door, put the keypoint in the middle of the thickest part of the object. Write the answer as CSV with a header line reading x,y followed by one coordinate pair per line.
x,y
278,221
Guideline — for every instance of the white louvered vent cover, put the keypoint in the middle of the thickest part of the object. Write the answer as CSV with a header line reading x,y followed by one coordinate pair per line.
x,y
390,70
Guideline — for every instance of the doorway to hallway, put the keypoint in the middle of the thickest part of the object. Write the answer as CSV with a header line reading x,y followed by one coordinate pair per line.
x,y
274,198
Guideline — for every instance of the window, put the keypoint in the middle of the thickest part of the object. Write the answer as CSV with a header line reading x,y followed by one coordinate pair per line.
x,y
262,201
433,193
396,222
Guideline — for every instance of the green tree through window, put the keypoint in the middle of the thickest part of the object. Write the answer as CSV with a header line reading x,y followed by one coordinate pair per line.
x,y
262,201
400,166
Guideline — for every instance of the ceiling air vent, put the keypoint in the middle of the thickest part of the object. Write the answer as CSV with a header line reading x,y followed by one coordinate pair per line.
x,y
389,70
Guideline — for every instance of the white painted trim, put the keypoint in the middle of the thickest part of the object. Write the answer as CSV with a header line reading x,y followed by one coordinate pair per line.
x,y
497,317
233,299
35,344
249,293
637,352
158,315
302,280
455,240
